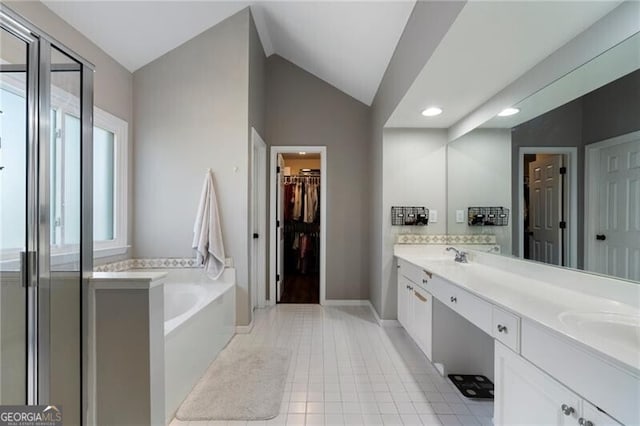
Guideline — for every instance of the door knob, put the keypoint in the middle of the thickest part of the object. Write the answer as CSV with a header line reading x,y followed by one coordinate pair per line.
x,y
601,237
566,410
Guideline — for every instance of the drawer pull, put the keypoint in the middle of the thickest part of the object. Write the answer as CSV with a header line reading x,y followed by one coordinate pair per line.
x,y
454,299
584,422
409,287
419,296
502,328
428,273
566,410
425,281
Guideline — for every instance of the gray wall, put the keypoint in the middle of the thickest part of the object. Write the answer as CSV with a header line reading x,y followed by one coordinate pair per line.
x,y
607,112
304,110
427,25
191,110
257,120
112,82
414,174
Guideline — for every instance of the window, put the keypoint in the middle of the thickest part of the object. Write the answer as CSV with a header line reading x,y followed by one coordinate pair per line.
x,y
109,174
109,181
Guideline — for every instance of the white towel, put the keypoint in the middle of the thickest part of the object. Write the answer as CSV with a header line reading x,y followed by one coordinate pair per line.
x,y
207,238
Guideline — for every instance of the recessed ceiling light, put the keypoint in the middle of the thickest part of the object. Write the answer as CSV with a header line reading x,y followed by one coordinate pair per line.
x,y
508,111
432,112
302,153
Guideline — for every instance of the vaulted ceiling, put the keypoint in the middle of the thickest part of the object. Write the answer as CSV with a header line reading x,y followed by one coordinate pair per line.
x,y
348,44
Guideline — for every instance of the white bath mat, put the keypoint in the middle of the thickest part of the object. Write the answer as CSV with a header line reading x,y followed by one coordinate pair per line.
x,y
241,384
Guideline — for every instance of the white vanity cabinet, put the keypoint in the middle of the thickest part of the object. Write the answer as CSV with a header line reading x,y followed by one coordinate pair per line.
x,y
415,306
546,371
527,395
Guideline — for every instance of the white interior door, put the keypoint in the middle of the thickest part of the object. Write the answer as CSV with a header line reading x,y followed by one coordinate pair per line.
x,y
280,228
617,240
545,204
258,222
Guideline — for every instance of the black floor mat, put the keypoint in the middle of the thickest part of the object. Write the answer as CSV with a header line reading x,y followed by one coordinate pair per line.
x,y
473,386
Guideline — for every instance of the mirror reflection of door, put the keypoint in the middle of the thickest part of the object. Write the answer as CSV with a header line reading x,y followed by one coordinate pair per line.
x,y
613,235
545,207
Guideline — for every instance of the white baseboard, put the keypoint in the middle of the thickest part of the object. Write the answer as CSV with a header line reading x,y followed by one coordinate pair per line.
x,y
245,329
346,302
382,322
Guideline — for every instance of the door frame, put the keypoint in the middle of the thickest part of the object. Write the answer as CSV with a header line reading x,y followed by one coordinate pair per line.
x,y
572,197
592,192
273,182
258,248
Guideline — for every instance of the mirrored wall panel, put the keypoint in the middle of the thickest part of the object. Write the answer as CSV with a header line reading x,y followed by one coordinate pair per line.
x,y
557,178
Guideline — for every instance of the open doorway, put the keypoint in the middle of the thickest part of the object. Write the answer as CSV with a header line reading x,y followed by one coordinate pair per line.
x,y
298,245
548,215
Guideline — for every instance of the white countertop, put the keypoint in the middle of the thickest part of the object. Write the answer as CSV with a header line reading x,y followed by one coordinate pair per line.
x,y
537,300
127,280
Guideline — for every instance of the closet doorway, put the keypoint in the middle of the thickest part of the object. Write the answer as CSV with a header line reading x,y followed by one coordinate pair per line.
x,y
298,212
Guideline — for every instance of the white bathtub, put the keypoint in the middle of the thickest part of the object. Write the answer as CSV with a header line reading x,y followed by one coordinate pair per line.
x,y
199,321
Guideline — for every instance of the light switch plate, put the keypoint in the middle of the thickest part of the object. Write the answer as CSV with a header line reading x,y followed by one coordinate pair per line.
x,y
459,216
433,216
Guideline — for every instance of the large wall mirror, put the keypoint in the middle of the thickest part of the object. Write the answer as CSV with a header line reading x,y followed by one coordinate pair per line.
x,y
561,171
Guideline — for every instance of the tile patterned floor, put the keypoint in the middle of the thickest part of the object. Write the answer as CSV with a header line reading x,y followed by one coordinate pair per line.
x,y
346,370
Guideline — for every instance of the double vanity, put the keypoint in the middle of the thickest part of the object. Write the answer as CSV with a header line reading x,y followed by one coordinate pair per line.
x,y
562,346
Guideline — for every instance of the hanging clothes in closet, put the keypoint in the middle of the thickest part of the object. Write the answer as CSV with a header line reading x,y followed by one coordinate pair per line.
x,y
302,218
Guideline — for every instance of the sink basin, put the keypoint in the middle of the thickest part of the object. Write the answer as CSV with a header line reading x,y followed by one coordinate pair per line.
x,y
614,327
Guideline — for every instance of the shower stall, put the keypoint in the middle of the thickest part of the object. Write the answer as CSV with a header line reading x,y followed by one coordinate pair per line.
x,y
46,107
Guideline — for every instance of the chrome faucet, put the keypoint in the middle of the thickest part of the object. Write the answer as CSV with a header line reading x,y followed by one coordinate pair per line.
x,y
461,256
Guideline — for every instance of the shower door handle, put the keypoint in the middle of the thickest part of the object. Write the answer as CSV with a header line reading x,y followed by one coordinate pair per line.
x,y
28,268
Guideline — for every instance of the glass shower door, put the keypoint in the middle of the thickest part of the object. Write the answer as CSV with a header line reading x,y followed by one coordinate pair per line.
x,y
15,264
46,139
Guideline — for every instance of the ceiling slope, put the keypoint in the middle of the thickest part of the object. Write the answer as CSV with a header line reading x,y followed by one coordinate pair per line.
x,y
346,43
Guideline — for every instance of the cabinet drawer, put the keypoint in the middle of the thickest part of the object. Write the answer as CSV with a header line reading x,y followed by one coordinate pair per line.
x,y
506,328
440,289
409,270
474,309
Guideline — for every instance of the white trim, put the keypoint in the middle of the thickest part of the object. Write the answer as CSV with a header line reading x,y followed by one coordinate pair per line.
x,y
258,285
572,166
245,329
120,130
346,302
591,193
275,150
381,322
